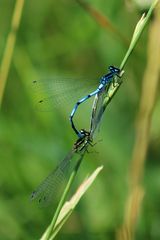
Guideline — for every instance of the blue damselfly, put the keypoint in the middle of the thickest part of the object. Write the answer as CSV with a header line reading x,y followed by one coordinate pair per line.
x,y
57,86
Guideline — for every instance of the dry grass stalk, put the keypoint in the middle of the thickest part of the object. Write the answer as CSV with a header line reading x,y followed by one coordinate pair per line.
x,y
147,103
10,43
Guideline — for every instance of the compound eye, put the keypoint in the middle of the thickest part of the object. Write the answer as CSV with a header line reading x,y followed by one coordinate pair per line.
x,y
111,68
84,133
117,70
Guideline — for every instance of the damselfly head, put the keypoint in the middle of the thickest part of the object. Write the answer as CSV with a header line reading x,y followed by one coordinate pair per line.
x,y
84,132
114,69
83,142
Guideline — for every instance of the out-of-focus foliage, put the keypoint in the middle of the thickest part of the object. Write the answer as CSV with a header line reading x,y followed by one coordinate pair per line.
x,y
60,37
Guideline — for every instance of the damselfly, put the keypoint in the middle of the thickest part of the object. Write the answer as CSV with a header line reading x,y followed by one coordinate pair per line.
x,y
55,88
104,81
51,187
98,108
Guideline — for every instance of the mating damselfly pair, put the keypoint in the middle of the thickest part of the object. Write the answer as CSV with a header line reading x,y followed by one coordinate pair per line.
x,y
47,190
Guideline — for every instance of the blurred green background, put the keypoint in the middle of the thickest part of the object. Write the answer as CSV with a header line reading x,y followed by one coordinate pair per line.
x,y
59,37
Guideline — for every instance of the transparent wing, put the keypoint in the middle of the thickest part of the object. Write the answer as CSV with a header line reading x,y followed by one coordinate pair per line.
x,y
53,92
51,187
98,105
97,110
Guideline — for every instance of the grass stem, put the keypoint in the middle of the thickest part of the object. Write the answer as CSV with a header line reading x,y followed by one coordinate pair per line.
x,y
10,44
